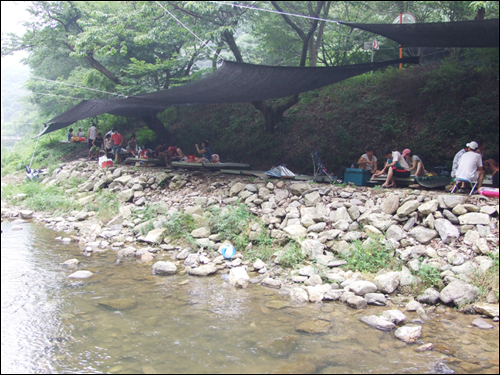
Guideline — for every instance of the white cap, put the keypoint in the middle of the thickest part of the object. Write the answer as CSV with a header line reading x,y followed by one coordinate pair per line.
x,y
472,145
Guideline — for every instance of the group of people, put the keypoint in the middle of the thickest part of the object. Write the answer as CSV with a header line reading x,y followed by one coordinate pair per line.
x,y
397,164
174,153
112,143
79,134
468,165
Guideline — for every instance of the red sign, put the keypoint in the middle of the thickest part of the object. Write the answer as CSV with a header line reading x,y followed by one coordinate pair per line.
x,y
375,45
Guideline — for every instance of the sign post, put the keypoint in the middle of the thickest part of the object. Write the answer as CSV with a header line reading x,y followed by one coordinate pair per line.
x,y
403,18
372,46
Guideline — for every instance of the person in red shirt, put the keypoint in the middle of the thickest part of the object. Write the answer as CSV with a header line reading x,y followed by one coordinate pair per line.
x,y
117,141
175,153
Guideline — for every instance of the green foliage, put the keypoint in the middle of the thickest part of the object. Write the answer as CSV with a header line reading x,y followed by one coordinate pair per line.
x,y
488,282
368,257
291,255
232,223
430,277
107,205
40,197
180,225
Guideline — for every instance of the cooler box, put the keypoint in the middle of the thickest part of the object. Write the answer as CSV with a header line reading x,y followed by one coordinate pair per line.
x,y
357,176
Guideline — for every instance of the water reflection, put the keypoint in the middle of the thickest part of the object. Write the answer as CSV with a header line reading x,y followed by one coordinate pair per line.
x,y
124,320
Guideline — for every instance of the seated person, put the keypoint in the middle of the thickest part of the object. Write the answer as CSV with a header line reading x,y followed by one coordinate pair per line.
x,y
415,163
395,166
162,153
132,145
491,166
161,148
205,151
175,153
96,145
456,159
368,161
70,134
471,166
108,146
80,134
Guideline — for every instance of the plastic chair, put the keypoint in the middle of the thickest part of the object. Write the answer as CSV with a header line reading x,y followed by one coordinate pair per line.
x,y
472,183
319,168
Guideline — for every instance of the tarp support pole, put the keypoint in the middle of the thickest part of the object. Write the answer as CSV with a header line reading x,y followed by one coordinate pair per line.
x,y
400,48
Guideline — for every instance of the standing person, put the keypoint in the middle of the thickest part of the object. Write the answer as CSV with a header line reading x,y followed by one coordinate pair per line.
x,y
205,151
456,159
80,134
368,161
117,144
96,146
416,165
70,134
471,166
108,145
92,133
396,166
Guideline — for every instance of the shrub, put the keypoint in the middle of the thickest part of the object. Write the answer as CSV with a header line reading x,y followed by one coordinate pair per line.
x,y
368,256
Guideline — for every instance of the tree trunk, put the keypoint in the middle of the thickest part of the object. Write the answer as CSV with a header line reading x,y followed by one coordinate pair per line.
x,y
154,123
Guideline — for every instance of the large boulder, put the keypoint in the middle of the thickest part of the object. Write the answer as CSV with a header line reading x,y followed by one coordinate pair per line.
x,y
387,283
202,271
428,207
407,208
459,292
362,287
164,269
447,231
409,334
390,204
429,296
155,235
238,277
378,323
423,235
474,218
395,233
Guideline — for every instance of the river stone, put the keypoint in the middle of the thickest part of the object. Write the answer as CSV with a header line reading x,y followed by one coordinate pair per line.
x,y
430,296
441,368
259,264
271,283
488,210
236,189
296,231
125,195
488,309
297,368
341,214
155,235
316,228
378,323
312,199
362,287
192,260
314,327
459,210
377,299
428,207
474,218
164,268
447,231
203,232
453,200
317,292
459,293
298,189
409,334
202,271
387,283
281,347
238,277
390,204
423,235
468,268
356,302
124,180
119,304
481,324
314,280
80,275
406,278
451,217
455,258
471,237
407,208
394,316
299,295
312,248
395,233
26,214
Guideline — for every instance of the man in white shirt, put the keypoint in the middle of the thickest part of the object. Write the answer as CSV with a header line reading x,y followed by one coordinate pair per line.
x,y
92,133
470,166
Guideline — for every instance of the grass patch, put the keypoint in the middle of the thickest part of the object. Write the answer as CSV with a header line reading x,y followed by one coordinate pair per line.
x,y
232,223
291,255
106,205
488,281
369,256
180,225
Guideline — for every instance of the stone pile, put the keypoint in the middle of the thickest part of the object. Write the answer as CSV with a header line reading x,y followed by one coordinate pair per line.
x,y
453,233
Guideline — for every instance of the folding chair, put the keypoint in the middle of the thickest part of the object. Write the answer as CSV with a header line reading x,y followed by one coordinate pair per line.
x,y
319,168
473,184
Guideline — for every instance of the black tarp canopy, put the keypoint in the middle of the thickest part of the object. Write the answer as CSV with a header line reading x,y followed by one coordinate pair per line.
x,y
478,34
232,83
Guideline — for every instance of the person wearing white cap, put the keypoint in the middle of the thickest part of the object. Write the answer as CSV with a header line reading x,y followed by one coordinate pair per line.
x,y
470,166
456,159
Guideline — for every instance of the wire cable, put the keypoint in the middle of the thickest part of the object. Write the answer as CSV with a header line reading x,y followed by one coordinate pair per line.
x,y
187,28
62,96
80,87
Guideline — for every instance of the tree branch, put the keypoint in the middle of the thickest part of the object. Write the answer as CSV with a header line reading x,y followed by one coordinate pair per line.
x,y
297,29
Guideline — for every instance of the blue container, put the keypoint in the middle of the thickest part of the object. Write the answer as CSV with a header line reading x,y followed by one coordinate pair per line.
x,y
357,176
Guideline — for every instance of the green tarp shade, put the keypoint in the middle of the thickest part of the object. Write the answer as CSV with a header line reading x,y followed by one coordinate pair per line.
x,y
477,34
232,83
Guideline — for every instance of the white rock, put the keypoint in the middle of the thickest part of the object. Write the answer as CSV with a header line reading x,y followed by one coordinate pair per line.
x,y
428,207
203,232
378,323
387,283
474,218
409,334
459,293
299,295
394,316
238,277
362,287
80,275
447,231
164,268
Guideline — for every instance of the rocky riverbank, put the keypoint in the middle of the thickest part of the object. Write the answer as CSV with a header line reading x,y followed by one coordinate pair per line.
x,y
316,243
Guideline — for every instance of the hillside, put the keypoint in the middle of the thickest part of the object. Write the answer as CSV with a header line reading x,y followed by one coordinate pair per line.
x,y
432,109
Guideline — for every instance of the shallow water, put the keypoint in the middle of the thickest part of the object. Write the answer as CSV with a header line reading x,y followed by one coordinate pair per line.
x,y
182,324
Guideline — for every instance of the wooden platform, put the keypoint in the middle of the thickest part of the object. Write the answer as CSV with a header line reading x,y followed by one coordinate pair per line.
x,y
211,166
261,174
